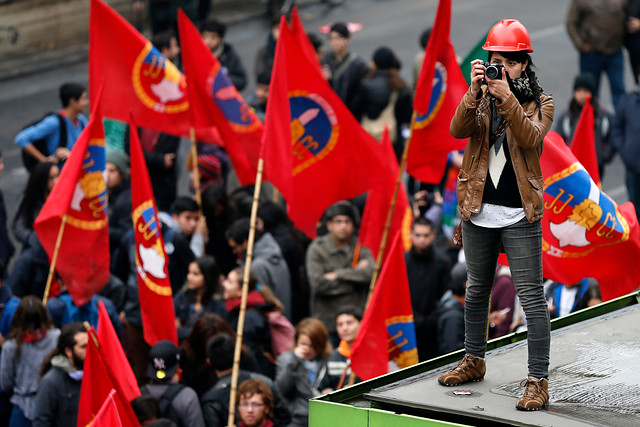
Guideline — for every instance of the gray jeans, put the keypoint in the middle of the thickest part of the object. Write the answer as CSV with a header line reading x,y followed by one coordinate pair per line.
x,y
522,243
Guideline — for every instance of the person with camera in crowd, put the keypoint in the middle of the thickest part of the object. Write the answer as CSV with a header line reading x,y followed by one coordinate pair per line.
x,y
505,115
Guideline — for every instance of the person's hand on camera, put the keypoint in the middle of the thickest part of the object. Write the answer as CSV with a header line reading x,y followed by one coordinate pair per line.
x,y
499,87
477,75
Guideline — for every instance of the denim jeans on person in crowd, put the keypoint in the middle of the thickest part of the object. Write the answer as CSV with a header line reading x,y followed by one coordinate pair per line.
x,y
595,63
18,419
523,245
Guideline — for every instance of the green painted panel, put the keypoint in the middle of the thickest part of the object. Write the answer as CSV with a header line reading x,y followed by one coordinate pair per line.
x,y
329,414
378,418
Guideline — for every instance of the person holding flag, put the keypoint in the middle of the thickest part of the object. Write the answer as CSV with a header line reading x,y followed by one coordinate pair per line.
x,y
506,116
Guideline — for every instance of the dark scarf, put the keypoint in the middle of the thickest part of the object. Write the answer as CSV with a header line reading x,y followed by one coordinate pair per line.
x,y
521,88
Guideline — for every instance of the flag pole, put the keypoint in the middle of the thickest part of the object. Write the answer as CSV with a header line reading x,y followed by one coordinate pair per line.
x,y
387,225
245,291
54,260
194,161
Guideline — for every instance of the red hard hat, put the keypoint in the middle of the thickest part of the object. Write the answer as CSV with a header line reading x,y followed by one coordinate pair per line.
x,y
508,35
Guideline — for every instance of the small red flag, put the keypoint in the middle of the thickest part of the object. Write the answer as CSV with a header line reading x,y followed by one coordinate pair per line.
x,y
584,232
314,151
80,198
216,102
98,381
114,355
583,144
376,210
137,76
387,331
108,415
154,288
440,87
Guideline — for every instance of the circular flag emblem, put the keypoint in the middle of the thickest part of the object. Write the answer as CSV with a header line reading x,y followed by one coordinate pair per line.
x,y
314,129
233,107
158,83
437,97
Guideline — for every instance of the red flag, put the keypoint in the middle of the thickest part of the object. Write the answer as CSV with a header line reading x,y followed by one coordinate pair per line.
x,y
79,198
97,383
440,87
314,151
387,331
108,415
114,355
583,144
374,216
137,77
300,35
215,101
585,233
154,288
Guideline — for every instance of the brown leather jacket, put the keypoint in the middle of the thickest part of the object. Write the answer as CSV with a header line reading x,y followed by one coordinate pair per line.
x,y
525,133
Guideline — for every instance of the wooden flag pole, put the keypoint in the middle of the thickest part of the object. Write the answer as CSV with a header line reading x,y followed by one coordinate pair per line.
x,y
54,259
387,225
245,291
194,161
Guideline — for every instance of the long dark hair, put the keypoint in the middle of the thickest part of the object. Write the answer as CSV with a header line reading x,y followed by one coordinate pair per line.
x,y
208,325
521,57
35,193
30,316
209,269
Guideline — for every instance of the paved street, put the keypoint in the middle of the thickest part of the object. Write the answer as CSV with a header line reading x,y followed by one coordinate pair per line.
x,y
395,23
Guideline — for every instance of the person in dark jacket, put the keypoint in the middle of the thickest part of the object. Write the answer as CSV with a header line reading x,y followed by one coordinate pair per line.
x,y
268,264
30,271
451,313
178,402
213,34
58,396
220,213
119,190
384,98
215,402
256,334
301,370
632,38
6,247
201,294
428,272
565,124
344,70
625,136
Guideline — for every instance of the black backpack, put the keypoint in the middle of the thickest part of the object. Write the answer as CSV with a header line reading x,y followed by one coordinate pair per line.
x,y
41,144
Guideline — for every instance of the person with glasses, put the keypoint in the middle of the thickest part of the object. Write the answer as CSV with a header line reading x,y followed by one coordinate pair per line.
x,y
256,403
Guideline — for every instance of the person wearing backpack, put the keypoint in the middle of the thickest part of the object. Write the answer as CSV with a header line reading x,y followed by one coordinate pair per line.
x,y
52,138
178,402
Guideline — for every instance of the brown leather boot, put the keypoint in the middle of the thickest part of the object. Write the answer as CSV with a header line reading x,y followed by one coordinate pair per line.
x,y
536,395
470,368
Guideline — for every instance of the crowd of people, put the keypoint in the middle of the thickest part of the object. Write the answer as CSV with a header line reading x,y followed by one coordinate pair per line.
x,y
306,297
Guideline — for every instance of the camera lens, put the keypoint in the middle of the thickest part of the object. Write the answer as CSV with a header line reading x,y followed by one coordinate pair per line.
x,y
492,72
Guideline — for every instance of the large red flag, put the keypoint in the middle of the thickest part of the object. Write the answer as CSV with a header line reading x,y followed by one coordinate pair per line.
x,y
114,355
97,383
387,331
297,29
315,152
440,87
585,233
215,101
583,144
136,75
376,210
79,198
154,288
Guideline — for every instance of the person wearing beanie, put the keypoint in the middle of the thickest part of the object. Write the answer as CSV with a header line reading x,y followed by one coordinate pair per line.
x,y
119,191
339,270
384,98
213,34
178,402
343,69
583,87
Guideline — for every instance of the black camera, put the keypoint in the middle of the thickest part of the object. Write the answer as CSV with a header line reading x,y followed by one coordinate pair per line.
x,y
493,71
